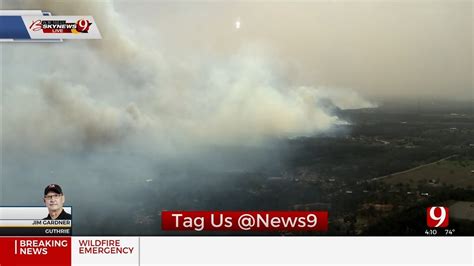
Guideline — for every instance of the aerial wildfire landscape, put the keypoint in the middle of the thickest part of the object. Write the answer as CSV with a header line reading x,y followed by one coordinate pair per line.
x,y
364,109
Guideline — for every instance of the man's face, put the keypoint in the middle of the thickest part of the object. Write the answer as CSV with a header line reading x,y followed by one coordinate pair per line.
x,y
54,201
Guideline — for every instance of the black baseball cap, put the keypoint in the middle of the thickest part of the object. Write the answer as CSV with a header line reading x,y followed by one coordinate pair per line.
x,y
53,187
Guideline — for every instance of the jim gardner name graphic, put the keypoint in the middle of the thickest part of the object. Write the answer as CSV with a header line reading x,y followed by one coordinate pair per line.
x,y
244,221
51,222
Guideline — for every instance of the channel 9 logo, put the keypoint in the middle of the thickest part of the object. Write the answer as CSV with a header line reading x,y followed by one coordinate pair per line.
x,y
437,217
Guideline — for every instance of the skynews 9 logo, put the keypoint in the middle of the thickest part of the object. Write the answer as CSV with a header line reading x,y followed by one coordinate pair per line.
x,y
61,26
437,217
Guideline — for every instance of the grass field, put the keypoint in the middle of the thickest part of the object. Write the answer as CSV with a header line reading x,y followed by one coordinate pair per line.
x,y
449,172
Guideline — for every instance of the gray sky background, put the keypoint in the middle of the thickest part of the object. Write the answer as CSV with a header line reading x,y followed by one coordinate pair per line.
x,y
401,48
379,48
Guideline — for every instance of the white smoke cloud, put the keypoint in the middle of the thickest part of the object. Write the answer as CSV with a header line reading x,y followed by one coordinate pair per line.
x,y
113,90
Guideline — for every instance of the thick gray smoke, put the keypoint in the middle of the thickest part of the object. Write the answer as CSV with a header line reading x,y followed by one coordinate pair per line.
x,y
103,117
111,89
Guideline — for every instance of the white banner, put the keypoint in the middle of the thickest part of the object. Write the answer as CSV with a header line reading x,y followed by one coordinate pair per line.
x,y
31,213
273,251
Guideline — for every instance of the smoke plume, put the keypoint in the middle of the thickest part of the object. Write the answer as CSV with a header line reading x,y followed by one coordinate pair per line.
x,y
101,117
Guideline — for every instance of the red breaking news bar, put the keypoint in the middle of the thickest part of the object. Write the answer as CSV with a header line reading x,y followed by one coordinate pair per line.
x,y
35,251
244,220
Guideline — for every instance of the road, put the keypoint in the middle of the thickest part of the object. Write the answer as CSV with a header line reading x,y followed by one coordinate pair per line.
x,y
411,169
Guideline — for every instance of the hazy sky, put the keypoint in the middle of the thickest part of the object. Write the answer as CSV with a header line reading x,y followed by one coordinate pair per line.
x,y
378,48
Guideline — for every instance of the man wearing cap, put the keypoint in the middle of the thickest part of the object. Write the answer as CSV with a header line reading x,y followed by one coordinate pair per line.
x,y
54,200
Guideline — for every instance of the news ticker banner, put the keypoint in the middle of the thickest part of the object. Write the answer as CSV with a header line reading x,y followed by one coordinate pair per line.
x,y
30,221
60,250
66,251
37,25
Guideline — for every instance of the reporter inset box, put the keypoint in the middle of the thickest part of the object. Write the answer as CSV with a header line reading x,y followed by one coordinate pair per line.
x,y
30,221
